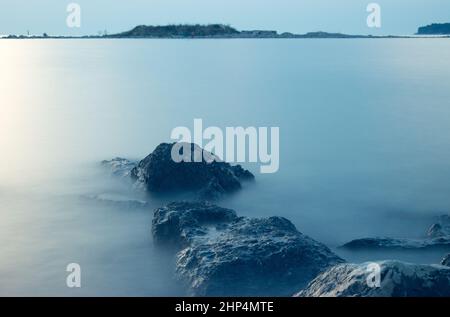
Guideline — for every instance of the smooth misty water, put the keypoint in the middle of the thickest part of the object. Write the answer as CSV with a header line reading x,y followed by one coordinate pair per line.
x,y
364,146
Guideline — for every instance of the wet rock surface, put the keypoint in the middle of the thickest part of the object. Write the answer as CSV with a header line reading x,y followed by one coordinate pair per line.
x,y
221,254
446,260
179,224
397,279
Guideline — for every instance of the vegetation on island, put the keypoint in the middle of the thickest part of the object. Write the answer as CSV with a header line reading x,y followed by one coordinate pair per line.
x,y
435,29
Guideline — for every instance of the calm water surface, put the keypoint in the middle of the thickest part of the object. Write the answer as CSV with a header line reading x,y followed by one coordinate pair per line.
x,y
365,146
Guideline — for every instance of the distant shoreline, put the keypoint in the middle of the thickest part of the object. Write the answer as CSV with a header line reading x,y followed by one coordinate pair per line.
x,y
220,31
220,38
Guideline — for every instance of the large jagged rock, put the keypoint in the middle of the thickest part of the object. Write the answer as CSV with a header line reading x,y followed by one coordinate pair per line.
x,y
161,174
438,236
397,279
446,260
221,254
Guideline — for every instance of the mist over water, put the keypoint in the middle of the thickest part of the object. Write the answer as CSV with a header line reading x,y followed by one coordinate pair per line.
x,y
364,128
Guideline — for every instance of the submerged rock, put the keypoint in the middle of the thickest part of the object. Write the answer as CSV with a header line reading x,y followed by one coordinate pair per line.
x,y
397,279
441,228
446,260
159,173
120,166
438,236
225,255
117,201
390,243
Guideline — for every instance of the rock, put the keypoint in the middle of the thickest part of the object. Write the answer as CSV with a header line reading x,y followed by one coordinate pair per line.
x,y
161,174
390,243
221,254
435,230
438,236
441,228
120,166
446,260
117,201
398,279
179,223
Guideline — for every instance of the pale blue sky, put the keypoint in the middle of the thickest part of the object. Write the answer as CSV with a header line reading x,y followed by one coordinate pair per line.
x,y
299,16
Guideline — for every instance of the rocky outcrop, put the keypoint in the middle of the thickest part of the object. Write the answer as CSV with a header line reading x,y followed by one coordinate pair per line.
x,y
221,254
397,279
159,173
438,236
446,260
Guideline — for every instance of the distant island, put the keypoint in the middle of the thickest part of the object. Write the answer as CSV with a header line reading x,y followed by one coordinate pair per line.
x,y
219,31
435,29
214,31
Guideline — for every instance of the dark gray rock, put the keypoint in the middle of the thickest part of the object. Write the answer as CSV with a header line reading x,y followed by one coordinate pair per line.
x,y
446,260
225,255
179,223
390,243
441,228
397,279
159,173
438,236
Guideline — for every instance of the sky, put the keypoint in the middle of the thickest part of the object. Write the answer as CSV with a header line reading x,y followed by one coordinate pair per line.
x,y
398,17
